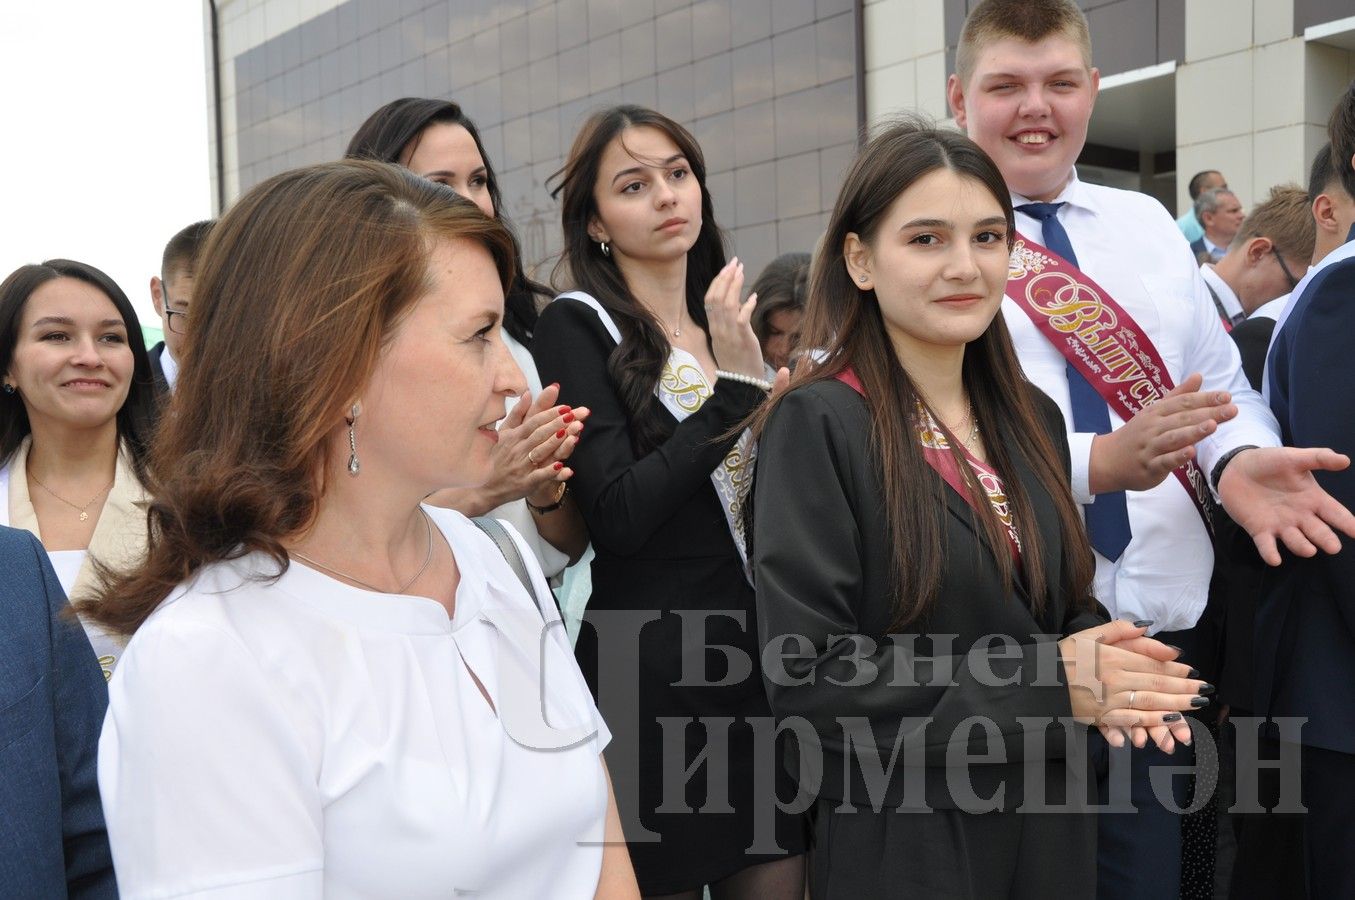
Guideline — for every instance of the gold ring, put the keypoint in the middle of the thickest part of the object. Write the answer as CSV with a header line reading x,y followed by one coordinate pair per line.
x,y
531,456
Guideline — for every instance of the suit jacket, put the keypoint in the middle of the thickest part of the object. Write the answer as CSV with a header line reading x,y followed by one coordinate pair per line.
x,y
52,700
158,380
1305,627
1202,254
822,557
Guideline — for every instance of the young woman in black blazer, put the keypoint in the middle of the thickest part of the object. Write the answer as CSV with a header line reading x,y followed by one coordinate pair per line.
x,y
922,574
656,341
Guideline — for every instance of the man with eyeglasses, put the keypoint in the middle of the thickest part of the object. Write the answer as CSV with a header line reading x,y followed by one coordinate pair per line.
x,y
172,294
1273,242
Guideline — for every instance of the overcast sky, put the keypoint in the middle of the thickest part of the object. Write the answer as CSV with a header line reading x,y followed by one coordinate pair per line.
x,y
103,153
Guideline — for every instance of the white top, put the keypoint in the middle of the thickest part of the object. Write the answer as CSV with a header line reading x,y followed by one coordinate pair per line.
x,y
301,738
1130,245
515,512
1272,309
66,564
1231,305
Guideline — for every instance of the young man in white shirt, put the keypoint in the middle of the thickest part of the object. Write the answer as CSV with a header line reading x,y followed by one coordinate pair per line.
x,y
1024,91
1274,243
172,294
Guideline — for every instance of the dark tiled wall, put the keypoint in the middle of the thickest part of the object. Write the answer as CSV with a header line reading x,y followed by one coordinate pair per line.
x,y
1126,34
769,88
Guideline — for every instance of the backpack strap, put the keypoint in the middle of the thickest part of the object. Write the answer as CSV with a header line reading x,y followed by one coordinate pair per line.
x,y
494,529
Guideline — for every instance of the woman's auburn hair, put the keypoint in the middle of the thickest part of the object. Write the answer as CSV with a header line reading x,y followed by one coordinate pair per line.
x,y
301,286
846,326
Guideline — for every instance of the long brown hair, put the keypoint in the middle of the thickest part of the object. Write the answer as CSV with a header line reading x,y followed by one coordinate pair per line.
x,y
847,327
300,287
637,362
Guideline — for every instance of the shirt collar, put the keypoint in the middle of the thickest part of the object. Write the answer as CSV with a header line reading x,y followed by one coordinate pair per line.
x,y
1074,194
170,366
1227,296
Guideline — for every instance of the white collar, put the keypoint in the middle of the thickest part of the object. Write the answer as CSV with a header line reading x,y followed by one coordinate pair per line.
x,y
170,365
1074,193
1227,296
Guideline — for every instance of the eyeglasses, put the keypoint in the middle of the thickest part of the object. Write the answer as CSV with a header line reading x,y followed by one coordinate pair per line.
x,y
175,320
1293,282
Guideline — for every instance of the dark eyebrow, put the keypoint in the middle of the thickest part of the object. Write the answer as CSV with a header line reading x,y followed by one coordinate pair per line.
x,y
448,173
943,223
991,221
70,323
635,170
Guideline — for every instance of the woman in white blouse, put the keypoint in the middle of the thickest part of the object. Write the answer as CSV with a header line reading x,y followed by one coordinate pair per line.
x,y
333,690
528,488
75,414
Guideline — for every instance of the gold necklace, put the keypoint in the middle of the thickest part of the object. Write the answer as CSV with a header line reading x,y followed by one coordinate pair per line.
x,y
428,557
83,510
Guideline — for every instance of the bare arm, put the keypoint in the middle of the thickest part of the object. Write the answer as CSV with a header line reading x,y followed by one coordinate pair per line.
x,y
617,879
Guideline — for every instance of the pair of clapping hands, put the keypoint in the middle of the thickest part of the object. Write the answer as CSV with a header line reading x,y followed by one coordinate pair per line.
x,y
1130,686
729,324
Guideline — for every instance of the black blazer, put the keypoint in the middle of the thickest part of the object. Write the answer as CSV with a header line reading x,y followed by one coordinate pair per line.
x,y
1305,626
821,559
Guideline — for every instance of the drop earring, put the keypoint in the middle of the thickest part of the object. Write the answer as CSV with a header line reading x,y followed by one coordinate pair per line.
x,y
606,251
353,465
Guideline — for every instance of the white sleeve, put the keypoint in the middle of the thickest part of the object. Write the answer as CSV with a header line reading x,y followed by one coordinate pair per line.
x,y
1214,355
1080,451
208,788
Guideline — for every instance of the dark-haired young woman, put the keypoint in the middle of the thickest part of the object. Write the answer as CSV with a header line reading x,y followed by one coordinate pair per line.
x,y
656,341
75,419
780,291
922,574
436,140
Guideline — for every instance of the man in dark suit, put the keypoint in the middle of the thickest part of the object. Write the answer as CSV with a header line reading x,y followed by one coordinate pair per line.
x,y
52,700
172,294
1220,213
1305,625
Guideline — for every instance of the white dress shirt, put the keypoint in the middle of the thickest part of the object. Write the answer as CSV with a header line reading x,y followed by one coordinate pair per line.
x,y
302,738
1272,309
1231,305
1130,245
170,366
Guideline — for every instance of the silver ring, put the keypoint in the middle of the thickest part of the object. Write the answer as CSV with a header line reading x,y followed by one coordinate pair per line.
x,y
1131,699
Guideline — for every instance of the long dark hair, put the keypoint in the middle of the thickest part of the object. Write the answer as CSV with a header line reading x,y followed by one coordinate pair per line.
x,y
301,285
392,133
136,417
847,328
637,362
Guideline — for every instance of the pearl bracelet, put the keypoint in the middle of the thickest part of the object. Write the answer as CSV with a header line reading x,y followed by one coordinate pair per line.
x,y
746,379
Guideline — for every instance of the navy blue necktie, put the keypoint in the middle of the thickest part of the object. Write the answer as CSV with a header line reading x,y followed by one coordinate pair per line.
x,y
1108,517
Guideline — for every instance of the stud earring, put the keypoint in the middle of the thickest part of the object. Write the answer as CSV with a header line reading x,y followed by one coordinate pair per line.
x,y
606,251
862,279
9,388
353,465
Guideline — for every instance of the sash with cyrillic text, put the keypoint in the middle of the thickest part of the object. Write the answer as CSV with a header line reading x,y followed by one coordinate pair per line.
x,y
1098,338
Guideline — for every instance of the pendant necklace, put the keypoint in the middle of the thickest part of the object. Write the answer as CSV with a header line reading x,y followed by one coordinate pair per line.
x,y
428,527
83,510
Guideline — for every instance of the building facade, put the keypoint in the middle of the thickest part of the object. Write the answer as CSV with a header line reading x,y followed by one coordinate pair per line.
x,y
776,91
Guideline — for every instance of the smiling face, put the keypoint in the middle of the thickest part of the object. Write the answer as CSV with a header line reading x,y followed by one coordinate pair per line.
x,y
1028,106
428,412
446,153
937,264
648,200
72,365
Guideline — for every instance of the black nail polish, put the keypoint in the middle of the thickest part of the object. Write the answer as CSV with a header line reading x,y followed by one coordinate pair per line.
x,y
1178,650
1193,673
1206,689
1197,702
1172,717
1143,623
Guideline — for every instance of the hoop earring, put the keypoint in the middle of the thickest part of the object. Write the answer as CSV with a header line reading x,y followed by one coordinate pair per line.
x,y
606,251
353,465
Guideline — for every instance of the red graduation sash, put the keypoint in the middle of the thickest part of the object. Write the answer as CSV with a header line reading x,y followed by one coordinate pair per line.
x,y
1098,338
936,450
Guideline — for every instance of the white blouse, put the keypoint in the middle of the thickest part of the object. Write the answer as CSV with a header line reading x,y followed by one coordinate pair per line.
x,y
301,738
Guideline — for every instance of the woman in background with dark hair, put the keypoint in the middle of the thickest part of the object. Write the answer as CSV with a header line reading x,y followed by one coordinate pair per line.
x,y
75,419
656,341
435,140
780,291
912,504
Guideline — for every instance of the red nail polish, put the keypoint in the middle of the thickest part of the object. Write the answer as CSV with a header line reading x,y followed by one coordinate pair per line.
x,y
569,417
564,409
560,433
558,466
